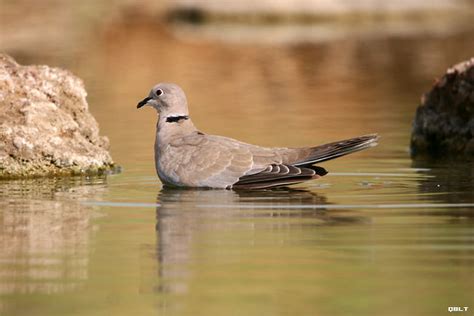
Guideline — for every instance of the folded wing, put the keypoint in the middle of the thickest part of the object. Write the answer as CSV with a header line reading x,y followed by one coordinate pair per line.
x,y
279,175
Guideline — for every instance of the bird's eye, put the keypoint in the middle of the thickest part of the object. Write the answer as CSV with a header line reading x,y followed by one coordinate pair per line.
x,y
159,92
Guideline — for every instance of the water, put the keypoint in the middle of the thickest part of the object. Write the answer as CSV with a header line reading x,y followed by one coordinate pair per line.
x,y
380,234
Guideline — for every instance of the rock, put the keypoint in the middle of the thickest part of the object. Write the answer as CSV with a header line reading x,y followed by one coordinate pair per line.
x,y
45,125
444,122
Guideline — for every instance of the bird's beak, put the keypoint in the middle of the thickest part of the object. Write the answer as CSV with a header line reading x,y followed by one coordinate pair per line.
x,y
143,102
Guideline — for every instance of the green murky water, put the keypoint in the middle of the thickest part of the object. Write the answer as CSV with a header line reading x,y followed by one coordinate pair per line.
x,y
380,235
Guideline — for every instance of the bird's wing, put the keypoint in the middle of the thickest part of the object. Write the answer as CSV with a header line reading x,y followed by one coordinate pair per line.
x,y
278,175
216,161
207,161
221,162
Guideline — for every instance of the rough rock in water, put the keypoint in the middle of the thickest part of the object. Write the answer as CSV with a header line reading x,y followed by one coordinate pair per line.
x,y
444,122
45,125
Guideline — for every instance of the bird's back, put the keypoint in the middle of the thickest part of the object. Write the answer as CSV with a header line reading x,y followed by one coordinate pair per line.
x,y
214,161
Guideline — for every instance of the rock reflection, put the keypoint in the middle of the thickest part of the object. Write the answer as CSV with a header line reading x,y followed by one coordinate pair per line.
x,y
449,182
44,234
186,215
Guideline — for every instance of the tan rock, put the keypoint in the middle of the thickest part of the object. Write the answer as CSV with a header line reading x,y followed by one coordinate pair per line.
x,y
45,125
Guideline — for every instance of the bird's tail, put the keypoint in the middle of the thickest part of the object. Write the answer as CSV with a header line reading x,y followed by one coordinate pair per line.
x,y
333,150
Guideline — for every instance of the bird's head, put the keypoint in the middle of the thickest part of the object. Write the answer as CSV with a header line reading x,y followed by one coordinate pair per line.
x,y
168,99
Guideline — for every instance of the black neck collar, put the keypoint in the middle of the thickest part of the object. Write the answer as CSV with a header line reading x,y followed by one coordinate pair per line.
x,y
174,119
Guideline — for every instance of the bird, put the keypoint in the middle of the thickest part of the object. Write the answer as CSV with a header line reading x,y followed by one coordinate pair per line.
x,y
187,157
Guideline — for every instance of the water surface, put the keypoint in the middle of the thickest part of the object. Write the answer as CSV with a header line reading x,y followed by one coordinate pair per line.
x,y
380,234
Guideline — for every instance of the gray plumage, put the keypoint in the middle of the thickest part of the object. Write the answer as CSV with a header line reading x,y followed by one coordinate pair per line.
x,y
186,157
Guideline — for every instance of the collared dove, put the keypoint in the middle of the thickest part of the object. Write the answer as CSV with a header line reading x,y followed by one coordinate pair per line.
x,y
185,157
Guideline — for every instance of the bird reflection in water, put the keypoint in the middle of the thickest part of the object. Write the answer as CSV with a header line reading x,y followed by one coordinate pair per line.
x,y
187,217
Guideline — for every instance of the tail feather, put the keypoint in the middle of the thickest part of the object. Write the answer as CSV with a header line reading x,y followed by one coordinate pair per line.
x,y
336,149
299,167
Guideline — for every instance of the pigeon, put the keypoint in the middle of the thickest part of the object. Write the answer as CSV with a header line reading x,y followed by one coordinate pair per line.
x,y
187,157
